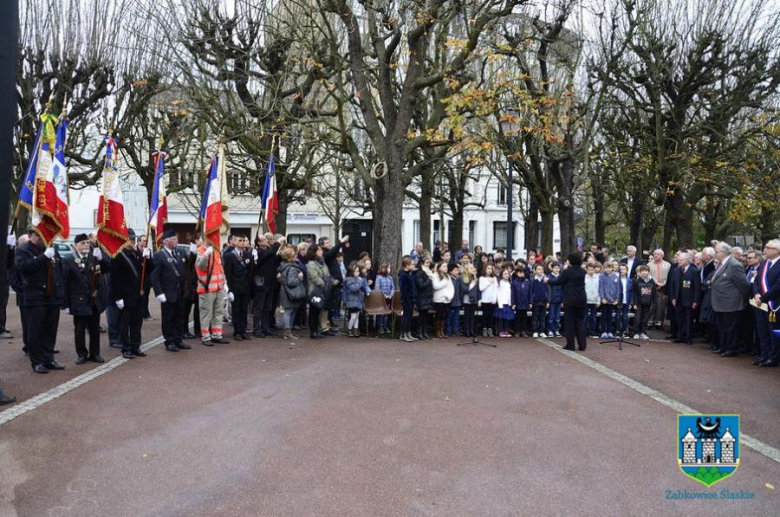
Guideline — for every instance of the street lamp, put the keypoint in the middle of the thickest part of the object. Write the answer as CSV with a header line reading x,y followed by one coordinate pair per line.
x,y
509,128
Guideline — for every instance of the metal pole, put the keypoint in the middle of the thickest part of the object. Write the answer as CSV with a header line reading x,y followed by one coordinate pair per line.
x,y
9,50
510,234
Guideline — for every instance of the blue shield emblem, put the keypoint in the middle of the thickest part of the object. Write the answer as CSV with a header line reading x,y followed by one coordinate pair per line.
x,y
708,446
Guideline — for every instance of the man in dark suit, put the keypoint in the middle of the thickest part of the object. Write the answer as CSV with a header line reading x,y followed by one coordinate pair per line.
x,y
330,255
729,294
236,263
686,296
167,279
126,295
264,271
631,261
768,292
41,268
85,296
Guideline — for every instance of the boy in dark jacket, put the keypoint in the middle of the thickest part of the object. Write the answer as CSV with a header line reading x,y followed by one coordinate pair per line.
x,y
540,301
521,299
610,293
406,285
556,300
644,295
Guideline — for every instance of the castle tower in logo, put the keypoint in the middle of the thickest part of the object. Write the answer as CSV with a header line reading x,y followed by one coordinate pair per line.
x,y
708,446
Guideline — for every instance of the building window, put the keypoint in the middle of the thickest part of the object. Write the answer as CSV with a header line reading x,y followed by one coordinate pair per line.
x,y
416,231
472,233
436,231
502,195
499,235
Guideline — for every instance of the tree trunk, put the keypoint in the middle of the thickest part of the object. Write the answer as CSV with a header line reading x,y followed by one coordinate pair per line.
x,y
668,233
547,231
281,219
388,212
637,220
767,224
599,227
566,222
457,228
427,185
532,225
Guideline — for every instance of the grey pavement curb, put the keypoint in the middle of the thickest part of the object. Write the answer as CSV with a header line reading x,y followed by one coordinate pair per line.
x,y
58,391
746,440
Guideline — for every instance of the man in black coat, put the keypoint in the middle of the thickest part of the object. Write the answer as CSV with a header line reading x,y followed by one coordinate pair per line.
x,y
189,295
85,296
41,268
264,271
631,261
236,263
167,280
572,279
16,280
127,294
330,256
686,296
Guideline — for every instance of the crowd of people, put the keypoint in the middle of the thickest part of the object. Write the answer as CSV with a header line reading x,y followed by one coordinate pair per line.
x,y
727,296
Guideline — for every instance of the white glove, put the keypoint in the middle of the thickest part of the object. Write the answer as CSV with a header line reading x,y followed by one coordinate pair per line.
x,y
147,253
67,311
97,253
209,250
193,247
49,253
161,298
120,304
11,240
231,297
254,254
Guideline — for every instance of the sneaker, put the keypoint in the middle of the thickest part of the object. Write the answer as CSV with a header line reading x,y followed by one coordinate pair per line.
x,y
484,332
6,335
637,336
558,334
604,335
611,335
536,334
644,336
542,334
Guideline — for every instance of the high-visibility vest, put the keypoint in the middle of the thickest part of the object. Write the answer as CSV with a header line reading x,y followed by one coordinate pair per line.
x,y
212,278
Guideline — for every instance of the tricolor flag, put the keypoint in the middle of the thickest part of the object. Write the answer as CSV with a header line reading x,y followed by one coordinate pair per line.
x,y
28,185
158,208
112,226
270,199
211,207
47,210
60,174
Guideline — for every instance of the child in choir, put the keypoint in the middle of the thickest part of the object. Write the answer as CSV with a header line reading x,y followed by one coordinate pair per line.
x,y
356,291
593,300
443,292
488,287
521,299
540,301
627,289
610,294
556,300
452,325
505,311
408,288
470,288
385,283
645,292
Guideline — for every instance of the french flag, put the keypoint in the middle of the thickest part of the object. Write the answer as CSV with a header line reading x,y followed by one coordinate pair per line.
x,y
158,208
211,208
112,225
270,199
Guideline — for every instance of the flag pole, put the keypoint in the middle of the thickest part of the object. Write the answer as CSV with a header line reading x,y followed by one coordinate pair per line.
x,y
262,223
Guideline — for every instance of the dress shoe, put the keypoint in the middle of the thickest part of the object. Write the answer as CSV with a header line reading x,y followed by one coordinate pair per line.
x,y
769,364
728,353
315,336
717,351
97,359
171,348
56,351
220,340
39,368
258,335
757,362
582,349
238,337
568,348
4,399
80,360
189,335
678,341
139,353
207,342
54,365
115,345
102,330
246,337
672,336
128,355
328,333
271,333
182,346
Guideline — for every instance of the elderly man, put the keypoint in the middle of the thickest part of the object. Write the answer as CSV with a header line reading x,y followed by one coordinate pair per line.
x,y
631,261
659,272
417,252
127,293
167,280
707,330
768,292
685,296
265,265
730,291
464,250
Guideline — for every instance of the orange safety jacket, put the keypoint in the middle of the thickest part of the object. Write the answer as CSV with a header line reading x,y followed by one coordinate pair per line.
x,y
212,278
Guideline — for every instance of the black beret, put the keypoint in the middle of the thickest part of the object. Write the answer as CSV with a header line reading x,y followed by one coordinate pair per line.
x,y
81,238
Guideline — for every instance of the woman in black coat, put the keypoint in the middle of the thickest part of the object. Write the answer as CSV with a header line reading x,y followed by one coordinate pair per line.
x,y
424,285
572,279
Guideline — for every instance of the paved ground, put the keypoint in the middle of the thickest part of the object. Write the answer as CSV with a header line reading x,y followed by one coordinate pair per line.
x,y
378,428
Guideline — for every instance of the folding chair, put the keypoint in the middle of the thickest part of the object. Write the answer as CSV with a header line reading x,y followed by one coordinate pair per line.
x,y
375,306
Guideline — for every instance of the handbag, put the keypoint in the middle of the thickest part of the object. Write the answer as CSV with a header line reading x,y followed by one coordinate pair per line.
x,y
317,299
295,293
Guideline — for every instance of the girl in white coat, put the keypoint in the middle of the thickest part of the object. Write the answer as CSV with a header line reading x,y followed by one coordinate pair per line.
x,y
443,291
488,287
